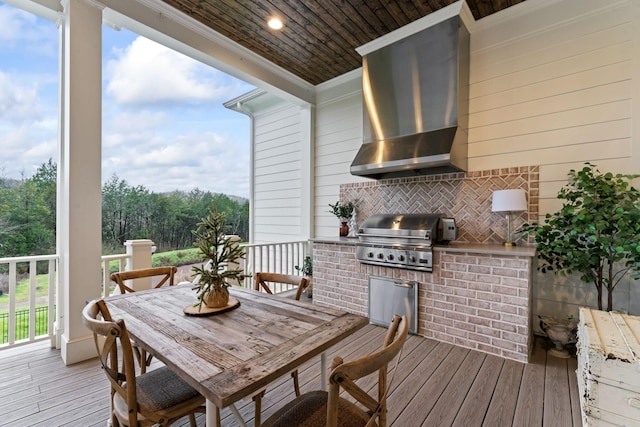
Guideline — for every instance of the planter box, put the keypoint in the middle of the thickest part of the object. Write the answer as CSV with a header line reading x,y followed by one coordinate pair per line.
x,y
608,368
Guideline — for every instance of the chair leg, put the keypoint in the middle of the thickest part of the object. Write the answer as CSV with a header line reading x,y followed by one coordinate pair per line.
x,y
296,384
192,420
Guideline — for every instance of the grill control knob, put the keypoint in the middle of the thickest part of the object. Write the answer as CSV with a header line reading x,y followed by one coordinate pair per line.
x,y
401,258
380,256
412,258
370,254
390,257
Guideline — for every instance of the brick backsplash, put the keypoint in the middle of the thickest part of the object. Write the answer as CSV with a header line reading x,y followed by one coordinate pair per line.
x,y
463,196
477,301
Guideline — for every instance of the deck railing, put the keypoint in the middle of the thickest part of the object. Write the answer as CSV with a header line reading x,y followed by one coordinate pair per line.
x,y
31,316
40,271
24,320
281,257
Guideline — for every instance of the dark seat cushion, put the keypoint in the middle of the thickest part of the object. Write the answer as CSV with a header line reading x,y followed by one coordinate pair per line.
x,y
310,410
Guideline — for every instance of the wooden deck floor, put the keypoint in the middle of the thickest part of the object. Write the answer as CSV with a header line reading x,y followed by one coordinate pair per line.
x,y
436,384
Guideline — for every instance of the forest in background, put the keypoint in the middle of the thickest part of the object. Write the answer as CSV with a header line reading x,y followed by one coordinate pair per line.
x,y
28,214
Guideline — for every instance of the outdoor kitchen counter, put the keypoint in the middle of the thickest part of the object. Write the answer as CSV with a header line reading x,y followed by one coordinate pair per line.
x,y
478,295
479,248
489,249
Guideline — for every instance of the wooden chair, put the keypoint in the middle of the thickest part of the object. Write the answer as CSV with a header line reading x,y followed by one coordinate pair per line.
x,y
262,280
320,408
166,275
157,397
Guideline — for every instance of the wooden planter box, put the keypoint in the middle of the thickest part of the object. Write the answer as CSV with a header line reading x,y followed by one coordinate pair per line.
x,y
608,368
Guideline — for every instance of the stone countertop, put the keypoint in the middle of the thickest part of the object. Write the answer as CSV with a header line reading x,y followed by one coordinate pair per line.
x,y
482,248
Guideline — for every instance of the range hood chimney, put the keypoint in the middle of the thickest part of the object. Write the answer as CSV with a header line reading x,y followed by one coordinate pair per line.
x,y
415,83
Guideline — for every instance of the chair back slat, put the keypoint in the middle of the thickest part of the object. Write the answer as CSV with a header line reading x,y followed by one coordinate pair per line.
x,y
166,275
262,280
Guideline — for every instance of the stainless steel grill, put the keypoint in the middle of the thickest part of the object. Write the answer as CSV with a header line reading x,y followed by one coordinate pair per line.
x,y
403,240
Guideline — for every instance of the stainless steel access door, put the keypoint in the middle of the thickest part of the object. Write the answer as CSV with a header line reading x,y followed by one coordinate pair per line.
x,y
393,296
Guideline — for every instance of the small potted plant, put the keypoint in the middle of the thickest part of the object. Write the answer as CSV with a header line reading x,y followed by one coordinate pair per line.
x,y
344,212
218,250
307,270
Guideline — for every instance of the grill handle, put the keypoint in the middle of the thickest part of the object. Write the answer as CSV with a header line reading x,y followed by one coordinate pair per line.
x,y
405,284
398,236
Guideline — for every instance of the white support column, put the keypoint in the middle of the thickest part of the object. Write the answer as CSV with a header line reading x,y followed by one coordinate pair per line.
x,y
140,252
61,291
81,219
307,138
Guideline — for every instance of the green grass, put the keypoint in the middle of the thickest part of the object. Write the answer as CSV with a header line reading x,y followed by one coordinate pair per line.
x,y
177,258
22,289
22,324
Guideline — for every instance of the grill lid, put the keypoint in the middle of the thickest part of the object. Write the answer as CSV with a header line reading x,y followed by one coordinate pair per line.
x,y
399,228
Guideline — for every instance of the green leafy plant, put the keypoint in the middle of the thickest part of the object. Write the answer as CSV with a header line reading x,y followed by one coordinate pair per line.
x,y
218,249
344,210
595,233
307,266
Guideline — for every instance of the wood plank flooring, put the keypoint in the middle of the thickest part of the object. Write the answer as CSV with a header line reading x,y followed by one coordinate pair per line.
x,y
436,384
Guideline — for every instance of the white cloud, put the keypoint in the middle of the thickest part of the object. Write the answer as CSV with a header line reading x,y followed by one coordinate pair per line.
x,y
204,160
17,102
15,23
147,72
24,31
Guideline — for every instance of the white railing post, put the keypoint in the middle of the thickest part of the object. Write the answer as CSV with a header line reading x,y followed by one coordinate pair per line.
x,y
139,253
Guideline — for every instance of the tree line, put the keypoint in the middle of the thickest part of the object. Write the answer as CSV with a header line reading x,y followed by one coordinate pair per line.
x,y
28,214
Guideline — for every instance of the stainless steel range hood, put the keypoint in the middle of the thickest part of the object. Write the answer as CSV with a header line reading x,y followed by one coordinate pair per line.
x,y
416,96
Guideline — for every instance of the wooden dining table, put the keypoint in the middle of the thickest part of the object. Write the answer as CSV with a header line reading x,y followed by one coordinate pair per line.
x,y
231,355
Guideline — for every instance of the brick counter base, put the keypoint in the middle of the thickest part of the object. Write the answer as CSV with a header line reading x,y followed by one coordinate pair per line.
x,y
474,300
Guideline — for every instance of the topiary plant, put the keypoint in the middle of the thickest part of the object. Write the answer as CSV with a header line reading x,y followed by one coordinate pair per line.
x,y
596,233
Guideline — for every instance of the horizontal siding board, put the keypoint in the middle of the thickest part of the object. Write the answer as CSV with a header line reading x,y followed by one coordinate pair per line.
x,y
580,116
547,46
282,176
582,152
280,157
569,66
601,94
289,136
591,78
278,168
597,132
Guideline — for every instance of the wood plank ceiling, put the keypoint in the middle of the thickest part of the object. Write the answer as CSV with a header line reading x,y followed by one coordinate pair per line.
x,y
319,37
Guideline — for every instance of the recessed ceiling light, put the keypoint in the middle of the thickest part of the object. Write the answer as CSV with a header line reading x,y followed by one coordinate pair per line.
x,y
275,24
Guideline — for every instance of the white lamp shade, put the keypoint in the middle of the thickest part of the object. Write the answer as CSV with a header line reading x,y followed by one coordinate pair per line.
x,y
509,201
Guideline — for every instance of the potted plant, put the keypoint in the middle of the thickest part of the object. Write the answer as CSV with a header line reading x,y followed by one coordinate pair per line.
x,y
307,270
218,250
343,212
595,233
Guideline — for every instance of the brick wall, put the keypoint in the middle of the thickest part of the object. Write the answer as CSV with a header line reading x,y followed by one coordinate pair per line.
x,y
474,300
463,196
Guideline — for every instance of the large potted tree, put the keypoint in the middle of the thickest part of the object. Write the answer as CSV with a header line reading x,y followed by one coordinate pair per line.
x,y
596,233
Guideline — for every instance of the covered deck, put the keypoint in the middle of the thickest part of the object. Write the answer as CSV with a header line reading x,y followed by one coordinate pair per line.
x,y
437,384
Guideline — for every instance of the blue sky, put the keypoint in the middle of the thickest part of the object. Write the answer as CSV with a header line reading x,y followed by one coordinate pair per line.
x,y
163,125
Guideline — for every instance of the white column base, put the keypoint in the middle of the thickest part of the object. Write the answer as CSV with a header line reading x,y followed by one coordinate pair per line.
x,y
77,350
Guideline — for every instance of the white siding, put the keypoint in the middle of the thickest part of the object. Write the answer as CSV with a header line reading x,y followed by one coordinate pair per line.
x,y
278,177
338,137
553,87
